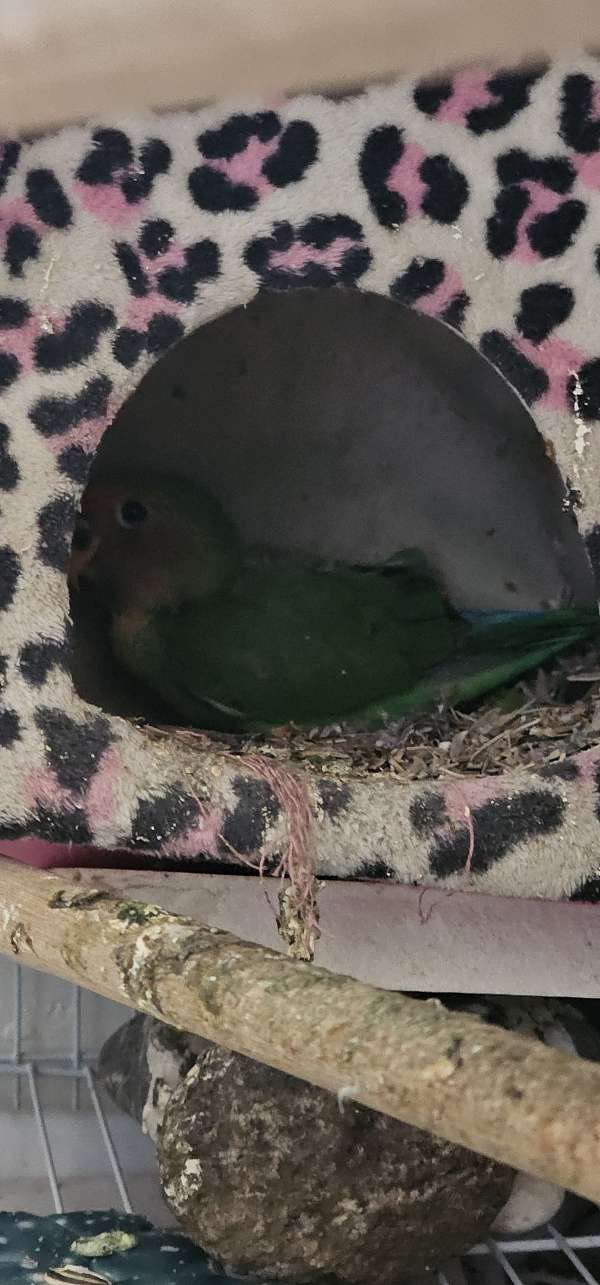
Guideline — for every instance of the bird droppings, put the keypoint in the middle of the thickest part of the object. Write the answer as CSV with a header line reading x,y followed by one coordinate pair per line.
x,y
107,1242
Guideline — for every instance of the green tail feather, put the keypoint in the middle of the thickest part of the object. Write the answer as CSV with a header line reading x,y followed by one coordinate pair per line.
x,y
483,665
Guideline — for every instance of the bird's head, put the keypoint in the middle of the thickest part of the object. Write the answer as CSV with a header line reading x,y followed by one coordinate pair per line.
x,y
147,541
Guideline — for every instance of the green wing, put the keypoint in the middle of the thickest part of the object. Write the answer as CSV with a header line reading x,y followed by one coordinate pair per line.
x,y
298,642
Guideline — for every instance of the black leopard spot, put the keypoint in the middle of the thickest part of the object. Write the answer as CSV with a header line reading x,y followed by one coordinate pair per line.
x,y
177,284
578,127
10,570
3,670
154,160
321,229
215,192
75,463
588,394
202,260
503,225
454,312
128,346
447,189
163,331
47,198
22,244
551,234
517,166
162,818
78,338
155,237
297,149
111,151
528,380
9,469
543,308
13,313
55,523
233,136
112,154
201,264
73,750
9,369
257,253
588,891
318,232
382,149
427,813
55,415
9,155
334,797
429,95
36,659
421,277
513,91
70,825
245,828
499,826
10,728
131,267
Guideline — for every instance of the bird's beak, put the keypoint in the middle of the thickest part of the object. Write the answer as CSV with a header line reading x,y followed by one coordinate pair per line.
x,y
84,548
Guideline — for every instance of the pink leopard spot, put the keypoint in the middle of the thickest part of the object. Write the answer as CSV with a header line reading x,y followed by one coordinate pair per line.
x,y
20,211
42,787
404,178
102,794
542,201
300,255
141,311
435,303
172,257
246,167
588,169
201,838
462,799
469,91
107,203
559,359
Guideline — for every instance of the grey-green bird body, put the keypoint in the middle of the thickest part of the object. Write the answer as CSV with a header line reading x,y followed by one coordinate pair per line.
x,y
237,640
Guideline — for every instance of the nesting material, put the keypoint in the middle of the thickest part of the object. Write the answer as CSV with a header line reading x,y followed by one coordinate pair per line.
x,y
543,720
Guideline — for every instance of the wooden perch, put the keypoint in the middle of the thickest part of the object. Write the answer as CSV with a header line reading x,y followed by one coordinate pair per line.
x,y
70,59
512,1099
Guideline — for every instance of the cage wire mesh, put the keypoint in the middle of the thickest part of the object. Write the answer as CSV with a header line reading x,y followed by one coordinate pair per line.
x,y
64,1145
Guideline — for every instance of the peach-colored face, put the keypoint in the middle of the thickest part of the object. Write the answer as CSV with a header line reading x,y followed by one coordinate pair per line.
x,y
122,540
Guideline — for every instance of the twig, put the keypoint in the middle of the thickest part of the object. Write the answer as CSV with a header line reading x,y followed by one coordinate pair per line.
x,y
514,1099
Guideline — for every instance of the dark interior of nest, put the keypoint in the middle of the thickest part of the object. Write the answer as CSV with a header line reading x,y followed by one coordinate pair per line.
x,y
345,427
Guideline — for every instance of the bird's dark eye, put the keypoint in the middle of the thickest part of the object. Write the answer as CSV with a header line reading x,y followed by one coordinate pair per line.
x,y
132,513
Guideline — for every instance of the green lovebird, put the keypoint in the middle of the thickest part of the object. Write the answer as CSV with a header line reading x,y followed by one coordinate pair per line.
x,y
246,639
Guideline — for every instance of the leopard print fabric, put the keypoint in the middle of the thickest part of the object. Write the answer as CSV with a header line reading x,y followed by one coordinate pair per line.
x,y
475,200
